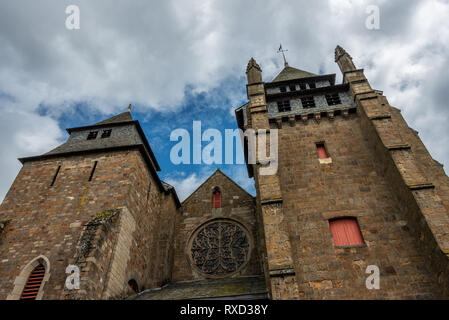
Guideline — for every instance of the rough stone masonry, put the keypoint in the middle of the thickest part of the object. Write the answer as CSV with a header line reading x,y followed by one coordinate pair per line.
x,y
346,158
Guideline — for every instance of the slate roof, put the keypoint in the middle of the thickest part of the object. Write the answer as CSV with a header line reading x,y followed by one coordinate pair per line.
x,y
122,117
126,134
290,73
123,135
230,288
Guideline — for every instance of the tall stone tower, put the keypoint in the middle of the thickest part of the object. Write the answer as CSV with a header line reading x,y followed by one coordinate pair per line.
x,y
95,202
356,194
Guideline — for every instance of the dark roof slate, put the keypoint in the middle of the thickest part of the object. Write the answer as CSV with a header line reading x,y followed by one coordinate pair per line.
x,y
122,136
122,117
290,73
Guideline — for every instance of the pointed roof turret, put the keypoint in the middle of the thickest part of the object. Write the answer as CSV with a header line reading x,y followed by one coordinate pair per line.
x,y
252,64
290,73
339,51
253,72
344,60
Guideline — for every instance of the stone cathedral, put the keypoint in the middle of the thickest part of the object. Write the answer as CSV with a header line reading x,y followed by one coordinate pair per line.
x,y
358,208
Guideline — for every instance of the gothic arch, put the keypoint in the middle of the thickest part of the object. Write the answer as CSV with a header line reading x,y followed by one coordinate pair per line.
x,y
22,278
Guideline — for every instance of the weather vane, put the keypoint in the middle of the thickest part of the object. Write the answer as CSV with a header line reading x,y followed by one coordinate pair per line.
x,y
283,55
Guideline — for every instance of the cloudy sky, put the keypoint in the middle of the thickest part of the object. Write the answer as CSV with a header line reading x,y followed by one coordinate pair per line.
x,y
179,61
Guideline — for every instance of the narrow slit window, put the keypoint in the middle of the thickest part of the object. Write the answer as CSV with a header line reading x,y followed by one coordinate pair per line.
x,y
216,199
308,102
106,133
346,232
92,135
321,149
55,176
93,171
284,106
333,99
33,284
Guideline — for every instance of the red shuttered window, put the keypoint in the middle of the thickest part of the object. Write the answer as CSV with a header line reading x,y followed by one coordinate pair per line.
x,y
322,153
33,284
216,199
346,232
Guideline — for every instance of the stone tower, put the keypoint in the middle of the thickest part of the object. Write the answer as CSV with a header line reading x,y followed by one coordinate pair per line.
x,y
356,192
95,202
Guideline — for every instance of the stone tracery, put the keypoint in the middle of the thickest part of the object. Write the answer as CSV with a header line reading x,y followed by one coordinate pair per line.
x,y
220,248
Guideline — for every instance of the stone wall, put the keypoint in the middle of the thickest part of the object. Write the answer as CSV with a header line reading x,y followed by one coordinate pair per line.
x,y
237,205
352,185
49,221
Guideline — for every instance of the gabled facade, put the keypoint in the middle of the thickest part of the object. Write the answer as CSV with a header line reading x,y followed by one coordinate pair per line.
x,y
219,208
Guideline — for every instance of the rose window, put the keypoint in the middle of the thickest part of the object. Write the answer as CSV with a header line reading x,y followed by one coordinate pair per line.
x,y
220,248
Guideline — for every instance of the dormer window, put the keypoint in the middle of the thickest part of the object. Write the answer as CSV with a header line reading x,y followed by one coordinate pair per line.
x,y
92,135
106,133
308,102
333,99
284,106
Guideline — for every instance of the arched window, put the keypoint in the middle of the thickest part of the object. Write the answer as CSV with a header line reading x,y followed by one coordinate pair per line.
x,y
33,284
133,284
346,232
30,283
216,198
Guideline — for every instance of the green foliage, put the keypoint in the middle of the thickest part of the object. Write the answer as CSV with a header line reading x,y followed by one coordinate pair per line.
x,y
103,215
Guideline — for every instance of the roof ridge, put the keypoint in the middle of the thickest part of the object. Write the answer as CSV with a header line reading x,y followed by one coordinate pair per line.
x,y
121,117
291,73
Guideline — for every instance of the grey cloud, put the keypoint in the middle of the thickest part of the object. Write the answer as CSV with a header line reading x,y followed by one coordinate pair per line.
x,y
147,52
